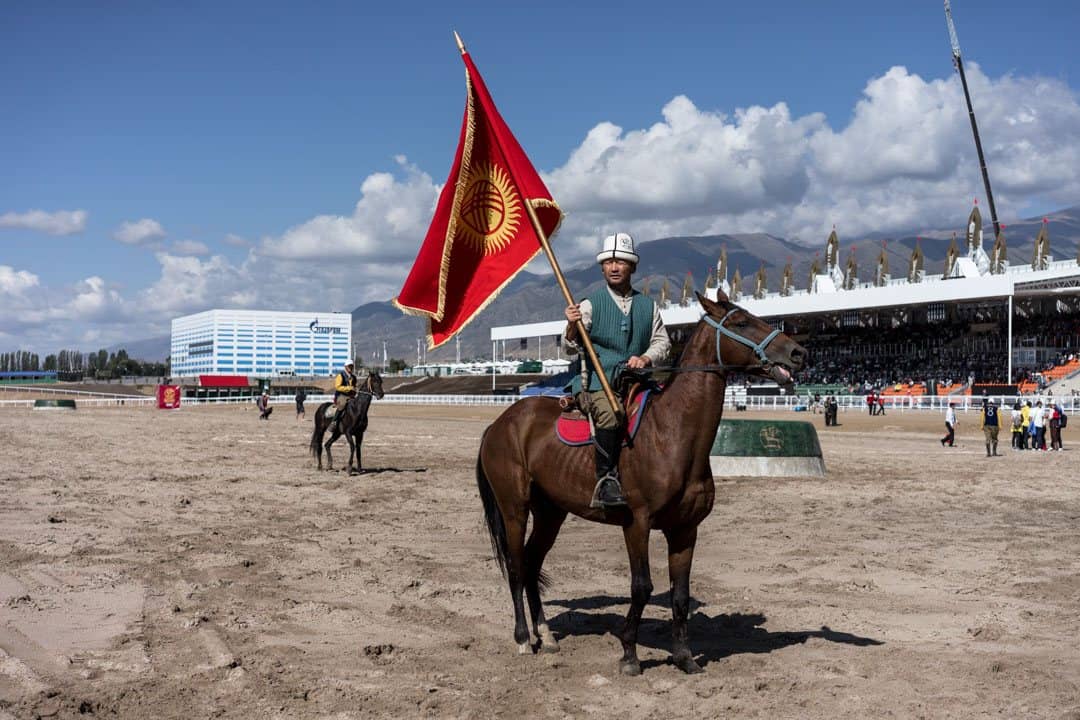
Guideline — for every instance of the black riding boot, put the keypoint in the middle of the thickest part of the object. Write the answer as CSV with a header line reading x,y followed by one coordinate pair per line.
x,y
608,491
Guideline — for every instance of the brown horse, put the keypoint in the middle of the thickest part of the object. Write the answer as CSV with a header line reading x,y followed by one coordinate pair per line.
x,y
523,468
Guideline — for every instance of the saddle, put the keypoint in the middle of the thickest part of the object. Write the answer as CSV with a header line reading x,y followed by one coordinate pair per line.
x,y
572,426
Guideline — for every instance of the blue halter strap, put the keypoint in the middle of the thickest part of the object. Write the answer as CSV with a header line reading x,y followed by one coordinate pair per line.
x,y
759,348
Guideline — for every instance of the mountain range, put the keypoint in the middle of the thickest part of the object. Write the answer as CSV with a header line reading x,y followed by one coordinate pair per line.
x,y
532,297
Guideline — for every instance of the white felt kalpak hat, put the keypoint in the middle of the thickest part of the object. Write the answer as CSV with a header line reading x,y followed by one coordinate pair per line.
x,y
619,246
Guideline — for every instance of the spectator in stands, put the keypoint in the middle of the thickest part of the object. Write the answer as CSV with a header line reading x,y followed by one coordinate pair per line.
x,y
990,426
950,426
263,403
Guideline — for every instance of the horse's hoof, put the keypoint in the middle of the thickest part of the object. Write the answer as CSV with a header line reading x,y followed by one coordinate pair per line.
x,y
631,668
524,649
688,665
549,646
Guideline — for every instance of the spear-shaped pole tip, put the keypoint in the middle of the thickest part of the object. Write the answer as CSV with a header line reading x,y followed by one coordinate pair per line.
x,y
460,45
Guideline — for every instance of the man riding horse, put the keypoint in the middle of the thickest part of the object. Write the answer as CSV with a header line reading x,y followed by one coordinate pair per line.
x,y
344,388
626,330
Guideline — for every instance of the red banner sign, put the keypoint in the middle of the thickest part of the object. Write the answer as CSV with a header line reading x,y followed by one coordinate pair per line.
x,y
168,397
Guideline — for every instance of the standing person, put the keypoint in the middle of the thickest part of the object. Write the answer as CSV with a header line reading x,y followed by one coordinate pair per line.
x,y
1038,421
1017,419
950,426
263,403
1055,426
1025,424
871,404
831,408
990,426
301,396
881,403
625,328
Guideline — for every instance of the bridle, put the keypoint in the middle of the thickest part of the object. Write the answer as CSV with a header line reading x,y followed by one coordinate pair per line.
x,y
758,348
366,390
720,366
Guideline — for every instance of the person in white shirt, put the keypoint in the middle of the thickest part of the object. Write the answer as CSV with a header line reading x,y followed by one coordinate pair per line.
x,y
1038,419
950,426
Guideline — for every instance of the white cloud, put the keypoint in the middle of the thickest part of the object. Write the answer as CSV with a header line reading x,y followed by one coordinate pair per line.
x,y
189,284
237,241
15,282
93,300
190,247
133,233
388,222
38,315
693,164
905,160
61,222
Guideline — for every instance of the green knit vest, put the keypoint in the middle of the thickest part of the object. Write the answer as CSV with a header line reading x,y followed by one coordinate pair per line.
x,y
615,336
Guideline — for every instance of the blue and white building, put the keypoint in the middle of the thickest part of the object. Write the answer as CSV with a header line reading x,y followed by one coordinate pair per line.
x,y
260,342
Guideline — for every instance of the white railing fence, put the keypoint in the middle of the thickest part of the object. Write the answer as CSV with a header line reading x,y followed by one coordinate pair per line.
x,y
126,401
847,403
786,403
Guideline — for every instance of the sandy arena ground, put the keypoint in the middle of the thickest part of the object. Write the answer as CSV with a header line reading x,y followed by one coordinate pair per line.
x,y
193,564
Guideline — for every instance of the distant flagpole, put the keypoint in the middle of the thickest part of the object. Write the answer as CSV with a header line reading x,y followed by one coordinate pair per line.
x,y
583,335
959,63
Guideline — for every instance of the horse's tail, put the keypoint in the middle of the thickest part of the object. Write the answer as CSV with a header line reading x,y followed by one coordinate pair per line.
x,y
493,518
318,431
492,515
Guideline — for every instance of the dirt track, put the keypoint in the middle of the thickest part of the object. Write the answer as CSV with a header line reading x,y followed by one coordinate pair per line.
x,y
193,564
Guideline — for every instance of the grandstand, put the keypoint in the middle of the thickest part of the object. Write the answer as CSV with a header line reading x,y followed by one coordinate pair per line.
x,y
979,325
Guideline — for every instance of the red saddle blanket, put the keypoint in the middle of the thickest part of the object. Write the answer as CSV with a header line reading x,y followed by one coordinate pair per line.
x,y
573,428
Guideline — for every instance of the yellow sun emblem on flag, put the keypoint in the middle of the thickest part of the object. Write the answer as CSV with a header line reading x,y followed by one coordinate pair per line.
x,y
490,209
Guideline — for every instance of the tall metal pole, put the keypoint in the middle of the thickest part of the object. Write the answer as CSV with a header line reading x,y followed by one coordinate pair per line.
x,y
1008,345
959,63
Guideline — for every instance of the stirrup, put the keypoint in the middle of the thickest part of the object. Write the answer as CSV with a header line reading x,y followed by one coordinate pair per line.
x,y
616,501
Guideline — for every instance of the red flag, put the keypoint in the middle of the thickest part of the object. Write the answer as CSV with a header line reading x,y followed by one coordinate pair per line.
x,y
481,235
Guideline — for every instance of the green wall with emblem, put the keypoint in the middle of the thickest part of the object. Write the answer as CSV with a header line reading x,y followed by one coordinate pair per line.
x,y
766,438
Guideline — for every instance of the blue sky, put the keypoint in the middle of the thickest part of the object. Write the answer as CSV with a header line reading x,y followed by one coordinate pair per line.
x,y
265,154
